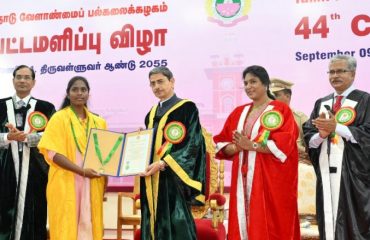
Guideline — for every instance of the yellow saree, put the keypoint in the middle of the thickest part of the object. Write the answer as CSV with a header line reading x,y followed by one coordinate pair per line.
x,y
66,135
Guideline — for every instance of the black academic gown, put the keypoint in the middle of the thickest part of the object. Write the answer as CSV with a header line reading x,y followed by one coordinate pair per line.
x,y
33,226
182,183
353,215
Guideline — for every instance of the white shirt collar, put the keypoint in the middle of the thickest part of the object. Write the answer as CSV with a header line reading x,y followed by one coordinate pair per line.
x,y
160,103
25,99
346,92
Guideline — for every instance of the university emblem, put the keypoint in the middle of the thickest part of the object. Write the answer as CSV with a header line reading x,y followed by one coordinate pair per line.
x,y
227,13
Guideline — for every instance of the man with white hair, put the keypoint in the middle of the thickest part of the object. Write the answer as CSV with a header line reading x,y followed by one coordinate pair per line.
x,y
338,136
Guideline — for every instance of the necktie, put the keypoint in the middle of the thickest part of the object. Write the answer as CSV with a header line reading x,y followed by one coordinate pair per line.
x,y
338,103
19,116
20,104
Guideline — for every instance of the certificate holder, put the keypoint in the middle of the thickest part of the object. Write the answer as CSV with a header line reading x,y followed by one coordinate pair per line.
x,y
118,154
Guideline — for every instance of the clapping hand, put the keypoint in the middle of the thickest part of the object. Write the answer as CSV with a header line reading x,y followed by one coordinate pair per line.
x,y
15,134
324,125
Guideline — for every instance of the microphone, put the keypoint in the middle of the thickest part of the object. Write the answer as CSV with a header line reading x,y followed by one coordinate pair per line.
x,y
327,107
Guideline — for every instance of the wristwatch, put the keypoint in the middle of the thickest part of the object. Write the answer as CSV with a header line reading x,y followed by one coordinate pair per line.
x,y
254,145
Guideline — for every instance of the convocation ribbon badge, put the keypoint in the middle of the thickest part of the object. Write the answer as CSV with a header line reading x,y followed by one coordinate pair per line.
x,y
174,133
270,121
37,121
344,116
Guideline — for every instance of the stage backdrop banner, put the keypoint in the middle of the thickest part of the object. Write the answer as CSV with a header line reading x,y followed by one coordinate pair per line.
x,y
206,44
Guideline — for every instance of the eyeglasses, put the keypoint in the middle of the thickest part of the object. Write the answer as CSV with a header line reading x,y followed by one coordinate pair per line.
x,y
338,71
25,77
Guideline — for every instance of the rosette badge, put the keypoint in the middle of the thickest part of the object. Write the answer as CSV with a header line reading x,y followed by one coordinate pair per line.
x,y
37,121
270,121
345,116
174,133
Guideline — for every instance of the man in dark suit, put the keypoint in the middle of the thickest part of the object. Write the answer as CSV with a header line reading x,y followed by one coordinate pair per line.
x,y
175,178
338,137
23,170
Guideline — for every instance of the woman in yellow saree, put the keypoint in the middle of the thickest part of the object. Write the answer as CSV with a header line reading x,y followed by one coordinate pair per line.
x,y
74,194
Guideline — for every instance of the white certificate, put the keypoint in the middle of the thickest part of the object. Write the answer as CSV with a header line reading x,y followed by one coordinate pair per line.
x,y
136,152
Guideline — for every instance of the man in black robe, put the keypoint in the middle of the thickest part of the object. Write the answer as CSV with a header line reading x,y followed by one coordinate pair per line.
x,y
175,179
23,170
338,136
